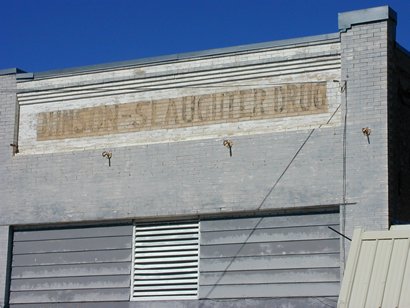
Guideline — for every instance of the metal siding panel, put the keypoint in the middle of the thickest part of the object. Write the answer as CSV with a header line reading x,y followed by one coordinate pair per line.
x,y
271,248
270,256
271,276
362,277
52,258
270,290
379,274
71,283
351,265
389,283
73,233
394,281
268,235
296,302
405,293
107,304
53,266
71,270
82,244
324,219
72,296
270,262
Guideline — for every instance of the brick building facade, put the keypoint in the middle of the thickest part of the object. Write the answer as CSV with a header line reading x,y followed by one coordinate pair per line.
x,y
209,179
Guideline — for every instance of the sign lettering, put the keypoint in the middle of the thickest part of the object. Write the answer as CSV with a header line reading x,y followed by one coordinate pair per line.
x,y
226,107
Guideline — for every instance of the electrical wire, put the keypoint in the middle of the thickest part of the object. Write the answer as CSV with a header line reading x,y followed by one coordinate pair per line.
x,y
344,192
293,159
263,201
316,298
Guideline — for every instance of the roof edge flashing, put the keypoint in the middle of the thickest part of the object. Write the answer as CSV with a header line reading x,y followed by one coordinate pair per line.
x,y
24,76
190,55
11,71
347,19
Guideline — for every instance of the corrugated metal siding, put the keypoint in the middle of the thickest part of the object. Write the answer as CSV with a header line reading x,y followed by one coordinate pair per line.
x,y
378,270
166,261
71,265
280,256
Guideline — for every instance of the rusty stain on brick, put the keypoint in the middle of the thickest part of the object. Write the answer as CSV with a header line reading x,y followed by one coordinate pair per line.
x,y
226,107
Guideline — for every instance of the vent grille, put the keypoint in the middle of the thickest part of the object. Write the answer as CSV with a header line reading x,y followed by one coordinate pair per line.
x,y
166,261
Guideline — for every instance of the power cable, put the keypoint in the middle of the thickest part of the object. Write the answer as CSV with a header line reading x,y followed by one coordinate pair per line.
x,y
317,298
344,192
264,199
293,158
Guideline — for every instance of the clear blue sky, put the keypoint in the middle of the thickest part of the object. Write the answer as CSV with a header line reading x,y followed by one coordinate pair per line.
x,y
43,35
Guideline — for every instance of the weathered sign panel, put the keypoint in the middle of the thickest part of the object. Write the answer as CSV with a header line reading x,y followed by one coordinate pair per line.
x,y
187,111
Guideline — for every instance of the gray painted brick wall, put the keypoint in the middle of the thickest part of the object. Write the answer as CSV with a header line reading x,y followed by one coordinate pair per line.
x,y
198,177
185,178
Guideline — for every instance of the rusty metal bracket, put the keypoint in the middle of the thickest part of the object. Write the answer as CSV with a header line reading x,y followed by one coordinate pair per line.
x,y
229,144
15,148
367,131
108,155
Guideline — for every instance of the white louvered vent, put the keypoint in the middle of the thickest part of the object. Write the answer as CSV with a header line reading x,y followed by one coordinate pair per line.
x,y
166,261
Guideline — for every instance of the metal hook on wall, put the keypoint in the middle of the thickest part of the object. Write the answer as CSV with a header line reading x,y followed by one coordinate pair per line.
x,y
108,155
15,148
342,85
228,143
367,131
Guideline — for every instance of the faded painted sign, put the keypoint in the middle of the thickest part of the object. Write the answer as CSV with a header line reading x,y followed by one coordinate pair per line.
x,y
195,110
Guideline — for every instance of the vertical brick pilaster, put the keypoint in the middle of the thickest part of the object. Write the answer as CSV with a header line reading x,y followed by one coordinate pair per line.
x,y
8,131
366,40
8,115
